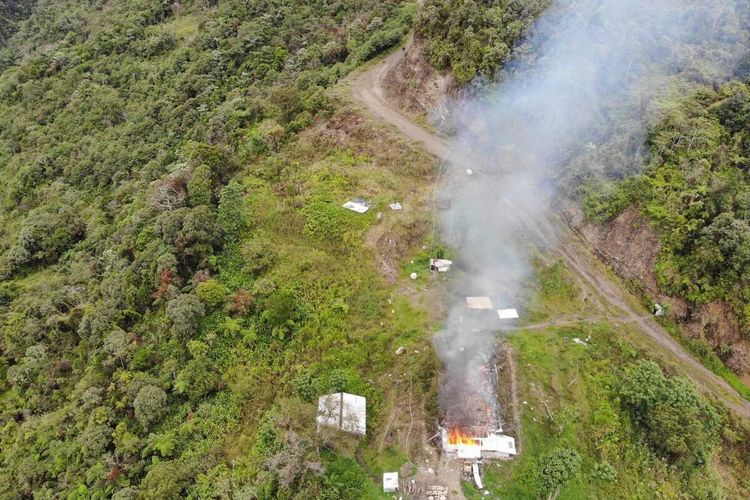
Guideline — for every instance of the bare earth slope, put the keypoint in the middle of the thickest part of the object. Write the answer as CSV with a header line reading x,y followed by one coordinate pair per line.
x,y
367,89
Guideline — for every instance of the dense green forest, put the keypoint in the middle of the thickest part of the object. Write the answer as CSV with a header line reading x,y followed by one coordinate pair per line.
x,y
11,13
179,281
474,37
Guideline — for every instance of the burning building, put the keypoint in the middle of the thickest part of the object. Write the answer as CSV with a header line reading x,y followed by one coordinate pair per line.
x,y
493,445
471,423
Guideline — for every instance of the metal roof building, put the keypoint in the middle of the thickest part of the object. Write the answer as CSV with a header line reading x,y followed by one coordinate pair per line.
x,y
343,411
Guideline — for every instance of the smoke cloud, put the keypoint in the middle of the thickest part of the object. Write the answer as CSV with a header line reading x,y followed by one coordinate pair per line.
x,y
573,106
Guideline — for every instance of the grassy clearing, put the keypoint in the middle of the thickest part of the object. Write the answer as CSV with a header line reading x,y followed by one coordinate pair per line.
x,y
302,239
552,292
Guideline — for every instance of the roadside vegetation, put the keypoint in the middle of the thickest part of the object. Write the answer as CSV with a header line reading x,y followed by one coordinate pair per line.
x,y
696,192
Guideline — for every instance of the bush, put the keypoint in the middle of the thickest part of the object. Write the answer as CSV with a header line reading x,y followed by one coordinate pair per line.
x,y
604,472
678,424
211,292
557,468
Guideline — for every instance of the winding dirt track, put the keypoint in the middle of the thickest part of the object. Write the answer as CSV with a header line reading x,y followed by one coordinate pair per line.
x,y
367,89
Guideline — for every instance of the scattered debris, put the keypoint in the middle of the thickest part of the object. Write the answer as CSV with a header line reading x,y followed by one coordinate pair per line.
x,y
507,314
358,205
658,310
413,276
580,341
477,476
390,482
379,216
415,489
343,411
395,206
440,265
479,302
437,493
400,351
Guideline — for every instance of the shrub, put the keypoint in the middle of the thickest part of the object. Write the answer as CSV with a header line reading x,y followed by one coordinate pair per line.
x,y
557,468
604,472
211,292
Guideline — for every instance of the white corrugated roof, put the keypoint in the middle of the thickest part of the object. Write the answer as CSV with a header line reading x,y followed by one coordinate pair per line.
x,y
356,206
390,482
507,314
499,443
468,451
479,302
344,411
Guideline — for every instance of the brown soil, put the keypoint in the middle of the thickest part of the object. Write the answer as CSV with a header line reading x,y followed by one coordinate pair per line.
x,y
508,393
630,246
367,89
414,85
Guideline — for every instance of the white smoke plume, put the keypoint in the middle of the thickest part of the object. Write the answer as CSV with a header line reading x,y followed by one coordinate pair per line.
x,y
575,104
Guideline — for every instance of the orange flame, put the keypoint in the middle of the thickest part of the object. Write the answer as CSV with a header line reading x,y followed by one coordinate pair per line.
x,y
457,437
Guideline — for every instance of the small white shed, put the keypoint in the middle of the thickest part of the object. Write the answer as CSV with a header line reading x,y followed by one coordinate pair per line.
x,y
478,302
343,411
507,314
390,482
503,445
357,205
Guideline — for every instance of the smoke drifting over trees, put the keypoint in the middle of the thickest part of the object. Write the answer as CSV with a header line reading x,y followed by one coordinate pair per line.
x,y
570,111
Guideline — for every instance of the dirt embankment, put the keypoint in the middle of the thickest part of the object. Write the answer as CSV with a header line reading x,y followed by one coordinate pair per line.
x,y
415,86
629,245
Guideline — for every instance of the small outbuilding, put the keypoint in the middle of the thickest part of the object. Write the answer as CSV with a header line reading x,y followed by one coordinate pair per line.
x,y
357,205
478,303
343,411
500,445
440,265
390,482
507,314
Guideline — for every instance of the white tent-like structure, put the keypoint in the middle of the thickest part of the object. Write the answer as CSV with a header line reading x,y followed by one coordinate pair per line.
x,y
343,411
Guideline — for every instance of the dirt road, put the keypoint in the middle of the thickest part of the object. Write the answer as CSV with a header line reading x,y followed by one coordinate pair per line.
x,y
367,89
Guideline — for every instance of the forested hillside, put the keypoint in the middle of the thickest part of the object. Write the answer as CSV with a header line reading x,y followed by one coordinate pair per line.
x,y
175,264
695,193
11,12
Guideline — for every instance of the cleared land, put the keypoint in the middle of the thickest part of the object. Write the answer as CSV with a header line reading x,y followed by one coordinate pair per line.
x,y
367,89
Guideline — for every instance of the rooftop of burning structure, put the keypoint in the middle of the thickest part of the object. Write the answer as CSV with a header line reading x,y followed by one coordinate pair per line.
x,y
493,445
